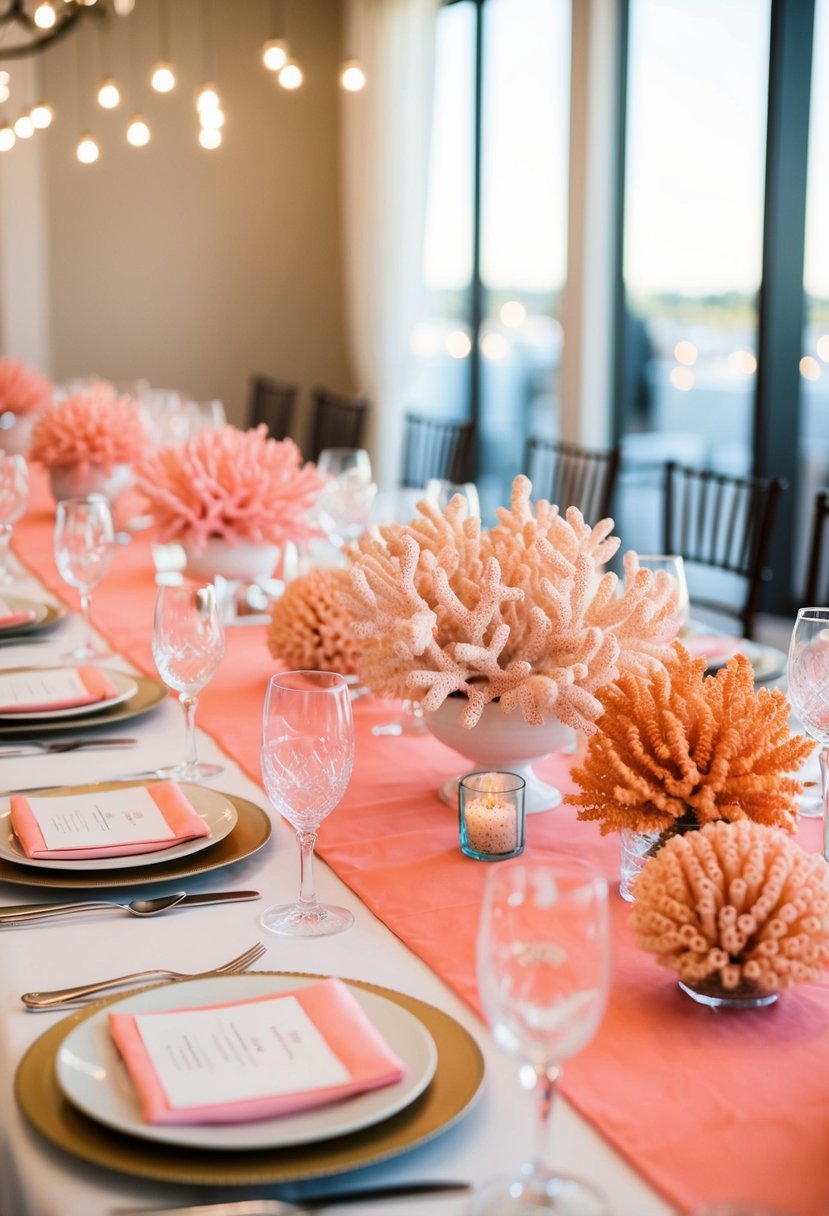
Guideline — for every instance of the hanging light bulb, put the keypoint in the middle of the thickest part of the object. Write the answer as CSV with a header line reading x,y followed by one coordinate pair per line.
x,y
124,7
44,15
4,91
24,127
352,77
212,119
138,133
109,95
7,137
163,78
207,98
87,150
291,75
41,115
210,137
275,54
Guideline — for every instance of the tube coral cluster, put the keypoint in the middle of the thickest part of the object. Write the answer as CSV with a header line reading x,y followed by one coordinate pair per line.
x,y
92,427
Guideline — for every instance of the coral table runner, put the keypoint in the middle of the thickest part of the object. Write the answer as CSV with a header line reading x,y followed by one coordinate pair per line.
x,y
705,1105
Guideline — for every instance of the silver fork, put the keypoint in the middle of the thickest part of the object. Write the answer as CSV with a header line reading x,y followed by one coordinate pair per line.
x,y
68,996
35,746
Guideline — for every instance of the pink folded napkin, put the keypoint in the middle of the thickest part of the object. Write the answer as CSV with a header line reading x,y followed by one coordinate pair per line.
x,y
326,1010
10,619
182,820
97,688
715,648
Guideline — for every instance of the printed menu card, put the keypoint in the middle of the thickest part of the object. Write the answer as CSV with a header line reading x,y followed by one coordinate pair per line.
x,y
105,823
39,689
254,1059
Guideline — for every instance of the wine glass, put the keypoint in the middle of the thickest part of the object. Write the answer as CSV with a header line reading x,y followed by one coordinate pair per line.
x,y
84,543
188,648
344,504
543,975
441,491
14,498
673,565
307,757
807,674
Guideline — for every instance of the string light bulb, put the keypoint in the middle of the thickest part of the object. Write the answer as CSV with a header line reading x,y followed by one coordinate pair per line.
x,y
109,95
138,133
207,98
352,77
210,138
163,78
44,15
290,77
7,138
212,119
275,54
87,150
24,127
41,115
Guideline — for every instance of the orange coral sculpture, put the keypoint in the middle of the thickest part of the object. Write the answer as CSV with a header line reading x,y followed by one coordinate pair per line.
x,y
734,904
678,742
310,626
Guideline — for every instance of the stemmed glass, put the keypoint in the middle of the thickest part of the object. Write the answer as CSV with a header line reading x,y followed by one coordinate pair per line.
x,y
543,975
807,675
84,543
344,504
441,491
14,498
188,648
673,565
307,757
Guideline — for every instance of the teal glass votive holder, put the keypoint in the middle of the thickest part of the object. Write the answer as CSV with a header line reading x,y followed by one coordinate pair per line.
x,y
492,815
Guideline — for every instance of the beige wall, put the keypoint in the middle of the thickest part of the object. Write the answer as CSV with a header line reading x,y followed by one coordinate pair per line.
x,y
194,269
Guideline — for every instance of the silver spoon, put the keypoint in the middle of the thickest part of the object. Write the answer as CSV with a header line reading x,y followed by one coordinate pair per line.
x,y
138,907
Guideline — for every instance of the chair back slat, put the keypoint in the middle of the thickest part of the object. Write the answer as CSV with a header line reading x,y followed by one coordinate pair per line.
x,y
816,590
434,448
722,522
274,403
572,476
337,421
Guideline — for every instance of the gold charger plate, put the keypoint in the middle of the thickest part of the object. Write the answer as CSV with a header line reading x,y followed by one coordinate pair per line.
x,y
54,613
455,1086
149,693
252,830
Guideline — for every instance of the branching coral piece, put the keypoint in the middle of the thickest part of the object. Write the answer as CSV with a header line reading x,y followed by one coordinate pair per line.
x,y
93,427
239,485
22,389
310,627
678,741
519,613
735,903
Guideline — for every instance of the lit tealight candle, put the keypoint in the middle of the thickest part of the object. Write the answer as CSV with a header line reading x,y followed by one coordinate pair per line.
x,y
491,807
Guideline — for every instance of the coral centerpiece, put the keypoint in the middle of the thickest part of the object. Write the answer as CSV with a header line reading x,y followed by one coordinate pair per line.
x,y
24,393
310,627
737,910
89,441
230,486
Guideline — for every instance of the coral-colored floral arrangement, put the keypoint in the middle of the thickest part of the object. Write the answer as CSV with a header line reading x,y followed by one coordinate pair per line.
x,y
238,485
735,906
678,744
310,627
22,389
520,613
91,427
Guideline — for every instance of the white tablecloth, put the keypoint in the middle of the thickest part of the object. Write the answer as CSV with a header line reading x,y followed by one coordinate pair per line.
x,y
38,1180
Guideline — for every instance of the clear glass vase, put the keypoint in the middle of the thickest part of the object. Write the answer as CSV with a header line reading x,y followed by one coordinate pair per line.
x,y
637,848
715,996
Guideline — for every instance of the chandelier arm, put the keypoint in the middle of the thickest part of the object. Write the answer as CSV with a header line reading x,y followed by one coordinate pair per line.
x,y
39,40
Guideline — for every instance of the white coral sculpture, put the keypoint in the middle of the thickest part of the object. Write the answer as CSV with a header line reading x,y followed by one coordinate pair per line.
x,y
520,613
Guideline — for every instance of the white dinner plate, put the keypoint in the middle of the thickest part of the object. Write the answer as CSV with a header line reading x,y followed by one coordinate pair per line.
x,y
92,1076
215,808
18,604
126,688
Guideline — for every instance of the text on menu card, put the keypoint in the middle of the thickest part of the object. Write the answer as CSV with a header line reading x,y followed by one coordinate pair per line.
x,y
235,1052
33,687
110,817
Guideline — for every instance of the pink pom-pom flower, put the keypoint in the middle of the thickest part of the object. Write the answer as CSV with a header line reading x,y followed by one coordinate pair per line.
x,y
22,389
238,485
93,427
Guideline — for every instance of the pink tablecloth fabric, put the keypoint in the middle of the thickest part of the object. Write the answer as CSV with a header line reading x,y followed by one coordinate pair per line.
x,y
705,1105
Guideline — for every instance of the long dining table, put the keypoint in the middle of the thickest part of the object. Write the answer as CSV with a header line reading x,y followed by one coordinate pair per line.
x,y
671,1105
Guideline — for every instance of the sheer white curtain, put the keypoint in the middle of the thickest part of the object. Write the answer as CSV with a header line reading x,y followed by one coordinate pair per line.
x,y
386,132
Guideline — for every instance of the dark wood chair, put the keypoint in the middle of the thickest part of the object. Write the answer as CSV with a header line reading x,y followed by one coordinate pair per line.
x,y
816,590
274,403
722,522
337,421
573,476
433,448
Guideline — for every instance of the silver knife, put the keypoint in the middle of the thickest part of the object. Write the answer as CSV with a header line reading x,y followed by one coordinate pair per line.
x,y
146,775
20,914
279,1207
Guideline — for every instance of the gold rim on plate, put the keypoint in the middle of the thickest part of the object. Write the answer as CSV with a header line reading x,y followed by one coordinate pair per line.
x,y
54,613
455,1086
252,830
150,692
